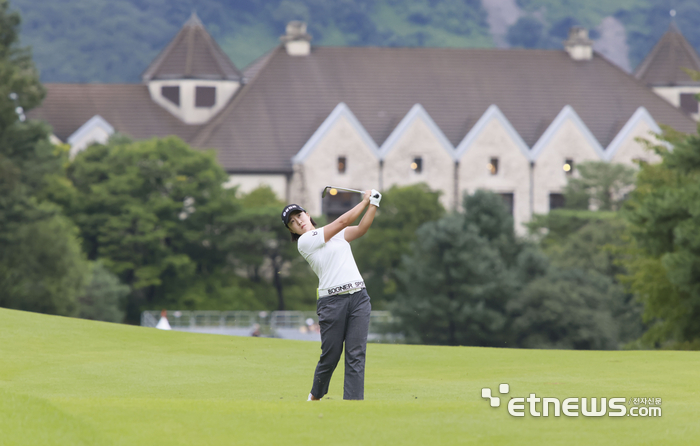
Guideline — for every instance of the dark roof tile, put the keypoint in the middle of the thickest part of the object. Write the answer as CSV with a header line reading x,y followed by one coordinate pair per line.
x,y
252,70
127,107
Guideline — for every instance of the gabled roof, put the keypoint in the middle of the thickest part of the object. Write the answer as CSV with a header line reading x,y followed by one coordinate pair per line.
x,y
493,112
340,111
274,116
96,121
566,114
127,107
192,54
641,115
416,112
254,67
663,65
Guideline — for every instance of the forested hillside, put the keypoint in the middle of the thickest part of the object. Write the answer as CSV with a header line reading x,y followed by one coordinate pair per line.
x,y
115,40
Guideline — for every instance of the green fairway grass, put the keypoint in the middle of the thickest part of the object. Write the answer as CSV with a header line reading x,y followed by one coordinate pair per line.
x,y
75,382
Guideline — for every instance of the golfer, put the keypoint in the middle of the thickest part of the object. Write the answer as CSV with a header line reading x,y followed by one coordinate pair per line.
x,y
343,305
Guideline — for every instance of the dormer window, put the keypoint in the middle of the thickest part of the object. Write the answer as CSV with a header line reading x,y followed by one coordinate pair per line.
x,y
171,93
688,103
205,97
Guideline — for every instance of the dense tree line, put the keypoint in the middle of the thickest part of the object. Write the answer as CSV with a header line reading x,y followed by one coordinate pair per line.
x,y
469,280
149,225
663,254
617,268
156,214
41,264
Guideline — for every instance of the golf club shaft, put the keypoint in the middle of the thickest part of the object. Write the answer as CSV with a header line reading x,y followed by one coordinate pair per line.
x,y
327,188
348,190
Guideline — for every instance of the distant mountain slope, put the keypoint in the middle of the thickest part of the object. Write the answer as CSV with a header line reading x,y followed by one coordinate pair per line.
x,y
115,40
644,21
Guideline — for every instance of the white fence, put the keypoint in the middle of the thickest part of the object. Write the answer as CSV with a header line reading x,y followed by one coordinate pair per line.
x,y
302,325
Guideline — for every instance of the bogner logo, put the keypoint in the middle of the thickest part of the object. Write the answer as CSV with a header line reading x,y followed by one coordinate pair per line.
x,y
338,289
347,286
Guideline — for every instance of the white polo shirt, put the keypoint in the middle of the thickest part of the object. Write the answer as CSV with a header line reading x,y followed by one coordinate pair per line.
x,y
332,262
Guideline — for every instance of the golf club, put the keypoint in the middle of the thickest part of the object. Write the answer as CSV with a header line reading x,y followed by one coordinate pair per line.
x,y
332,188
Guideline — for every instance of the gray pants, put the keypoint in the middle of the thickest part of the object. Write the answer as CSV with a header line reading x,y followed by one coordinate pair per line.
x,y
343,317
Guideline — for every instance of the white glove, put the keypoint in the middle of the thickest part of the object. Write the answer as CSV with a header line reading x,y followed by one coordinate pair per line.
x,y
375,197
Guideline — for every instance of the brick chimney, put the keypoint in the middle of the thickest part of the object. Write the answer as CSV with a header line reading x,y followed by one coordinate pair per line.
x,y
579,46
297,41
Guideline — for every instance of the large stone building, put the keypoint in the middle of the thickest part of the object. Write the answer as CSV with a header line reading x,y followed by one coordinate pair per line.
x,y
515,121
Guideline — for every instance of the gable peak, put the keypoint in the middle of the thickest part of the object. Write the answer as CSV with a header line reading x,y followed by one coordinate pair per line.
x,y
193,21
192,54
664,64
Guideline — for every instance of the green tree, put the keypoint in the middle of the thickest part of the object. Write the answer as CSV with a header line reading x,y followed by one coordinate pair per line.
x,y
378,253
456,283
569,309
156,215
489,215
586,240
41,265
663,256
103,295
600,185
265,251
559,224
589,245
471,281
